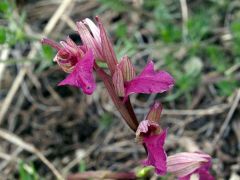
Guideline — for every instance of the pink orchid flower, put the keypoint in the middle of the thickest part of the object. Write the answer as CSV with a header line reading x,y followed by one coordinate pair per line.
x,y
185,165
76,60
147,82
153,137
156,154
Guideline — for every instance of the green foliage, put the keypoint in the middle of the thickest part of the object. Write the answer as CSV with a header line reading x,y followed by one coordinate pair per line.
x,y
143,172
117,5
82,166
235,28
13,31
198,26
27,172
106,120
5,8
227,87
121,30
217,58
46,54
125,46
2,35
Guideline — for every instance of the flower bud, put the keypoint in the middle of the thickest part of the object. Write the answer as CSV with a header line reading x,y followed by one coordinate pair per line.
x,y
155,112
118,82
127,69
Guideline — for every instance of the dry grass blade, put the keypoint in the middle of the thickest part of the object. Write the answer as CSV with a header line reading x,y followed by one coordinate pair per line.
x,y
3,57
228,118
17,82
198,112
30,148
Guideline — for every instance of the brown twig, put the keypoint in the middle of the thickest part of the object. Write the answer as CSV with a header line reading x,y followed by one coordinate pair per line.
x,y
102,175
228,118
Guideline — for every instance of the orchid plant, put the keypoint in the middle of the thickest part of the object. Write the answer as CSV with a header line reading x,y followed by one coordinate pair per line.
x,y
120,80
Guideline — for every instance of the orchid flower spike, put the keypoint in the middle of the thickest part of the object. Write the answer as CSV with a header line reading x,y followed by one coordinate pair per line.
x,y
77,61
186,165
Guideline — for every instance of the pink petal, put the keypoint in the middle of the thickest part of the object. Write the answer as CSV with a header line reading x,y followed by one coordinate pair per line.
x,y
82,75
204,175
94,29
145,126
51,43
150,81
185,164
107,48
154,113
89,41
156,153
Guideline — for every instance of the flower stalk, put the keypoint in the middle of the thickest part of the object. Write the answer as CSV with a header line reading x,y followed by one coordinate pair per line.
x,y
125,108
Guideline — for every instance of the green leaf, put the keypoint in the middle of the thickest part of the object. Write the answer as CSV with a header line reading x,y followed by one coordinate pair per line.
x,y
2,35
143,172
48,52
227,87
105,120
27,172
82,166
4,5
121,30
117,5
217,58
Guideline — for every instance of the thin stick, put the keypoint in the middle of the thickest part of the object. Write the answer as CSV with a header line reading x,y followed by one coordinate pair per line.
x,y
3,57
228,118
217,109
30,148
17,82
184,10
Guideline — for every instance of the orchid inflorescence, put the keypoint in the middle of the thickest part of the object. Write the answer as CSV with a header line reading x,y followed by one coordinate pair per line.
x,y
120,80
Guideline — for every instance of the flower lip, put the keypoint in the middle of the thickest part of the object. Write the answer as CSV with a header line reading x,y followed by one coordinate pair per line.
x,y
82,75
156,153
150,81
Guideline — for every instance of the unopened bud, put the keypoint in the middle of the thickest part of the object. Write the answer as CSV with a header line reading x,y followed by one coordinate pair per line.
x,y
118,82
155,112
127,69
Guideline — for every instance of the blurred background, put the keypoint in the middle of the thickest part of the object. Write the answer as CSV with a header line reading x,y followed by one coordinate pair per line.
x,y
198,42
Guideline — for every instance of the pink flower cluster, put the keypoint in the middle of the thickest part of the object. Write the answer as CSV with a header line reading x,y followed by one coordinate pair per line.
x,y
183,165
120,79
